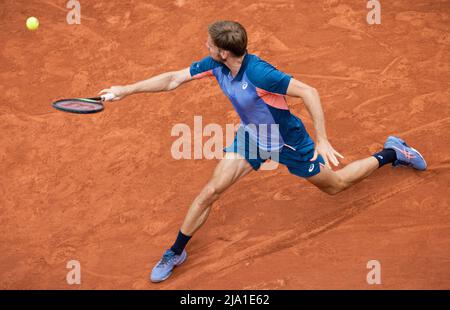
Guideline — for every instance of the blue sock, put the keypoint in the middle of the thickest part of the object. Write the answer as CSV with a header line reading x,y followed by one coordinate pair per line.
x,y
386,156
180,243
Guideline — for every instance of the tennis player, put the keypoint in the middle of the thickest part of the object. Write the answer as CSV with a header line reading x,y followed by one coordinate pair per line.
x,y
257,91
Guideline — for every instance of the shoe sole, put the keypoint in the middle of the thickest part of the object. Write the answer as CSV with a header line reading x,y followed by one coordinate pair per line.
x,y
166,277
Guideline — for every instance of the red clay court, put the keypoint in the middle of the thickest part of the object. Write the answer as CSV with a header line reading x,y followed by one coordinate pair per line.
x,y
104,189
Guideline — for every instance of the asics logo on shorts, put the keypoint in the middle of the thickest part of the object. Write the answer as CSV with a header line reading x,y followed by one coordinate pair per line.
x,y
311,168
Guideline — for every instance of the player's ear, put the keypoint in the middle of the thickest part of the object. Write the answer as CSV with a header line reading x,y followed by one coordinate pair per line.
x,y
224,54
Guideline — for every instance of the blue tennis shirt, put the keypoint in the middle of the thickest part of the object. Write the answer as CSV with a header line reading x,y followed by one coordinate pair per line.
x,y
257,93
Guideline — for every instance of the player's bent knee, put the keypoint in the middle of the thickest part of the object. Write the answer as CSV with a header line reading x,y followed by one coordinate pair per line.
x,y
211,191
209,194
337,188
331,190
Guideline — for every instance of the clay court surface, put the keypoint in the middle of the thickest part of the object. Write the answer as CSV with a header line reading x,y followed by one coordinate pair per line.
x,y
104,189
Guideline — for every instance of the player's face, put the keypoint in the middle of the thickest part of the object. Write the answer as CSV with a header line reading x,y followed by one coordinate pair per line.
x,y
214,51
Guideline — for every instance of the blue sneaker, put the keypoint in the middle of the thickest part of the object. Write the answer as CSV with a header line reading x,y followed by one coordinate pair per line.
x,y
163,269
406,155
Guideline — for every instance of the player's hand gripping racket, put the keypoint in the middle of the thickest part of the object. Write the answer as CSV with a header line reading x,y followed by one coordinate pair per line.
x,y
83,105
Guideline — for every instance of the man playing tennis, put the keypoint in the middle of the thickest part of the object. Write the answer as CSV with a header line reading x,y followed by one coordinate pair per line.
x,y
257,91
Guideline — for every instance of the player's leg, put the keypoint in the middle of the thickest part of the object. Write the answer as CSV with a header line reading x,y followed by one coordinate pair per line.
x,y
333,182
395,151
229,170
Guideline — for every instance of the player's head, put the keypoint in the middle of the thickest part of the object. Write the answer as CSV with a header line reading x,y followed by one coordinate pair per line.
x,y
226,39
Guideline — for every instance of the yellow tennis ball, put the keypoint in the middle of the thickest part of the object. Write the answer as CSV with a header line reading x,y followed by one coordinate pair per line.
x,y
32,23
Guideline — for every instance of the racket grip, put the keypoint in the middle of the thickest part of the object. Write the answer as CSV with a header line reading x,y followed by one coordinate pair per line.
x,y
108,97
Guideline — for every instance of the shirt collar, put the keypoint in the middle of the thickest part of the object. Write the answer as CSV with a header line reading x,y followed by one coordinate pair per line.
x,y
238,77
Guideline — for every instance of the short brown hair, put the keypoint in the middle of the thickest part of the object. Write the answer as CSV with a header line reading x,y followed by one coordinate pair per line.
x,y
230,36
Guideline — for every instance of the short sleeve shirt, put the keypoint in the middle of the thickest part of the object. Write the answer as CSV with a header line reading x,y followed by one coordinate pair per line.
x,y
257,93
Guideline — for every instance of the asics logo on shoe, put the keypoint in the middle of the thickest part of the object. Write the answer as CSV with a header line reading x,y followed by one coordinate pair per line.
x,y
405,152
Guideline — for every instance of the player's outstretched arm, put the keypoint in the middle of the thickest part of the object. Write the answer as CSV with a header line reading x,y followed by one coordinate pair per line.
x,y
162,82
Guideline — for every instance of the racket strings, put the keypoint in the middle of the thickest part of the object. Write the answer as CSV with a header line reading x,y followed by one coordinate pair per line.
x,y
79,105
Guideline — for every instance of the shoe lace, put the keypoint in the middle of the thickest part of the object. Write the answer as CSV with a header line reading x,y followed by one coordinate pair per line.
x,y
167,257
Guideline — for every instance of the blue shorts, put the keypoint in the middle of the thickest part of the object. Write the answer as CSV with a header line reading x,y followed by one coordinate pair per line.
x,y
295,157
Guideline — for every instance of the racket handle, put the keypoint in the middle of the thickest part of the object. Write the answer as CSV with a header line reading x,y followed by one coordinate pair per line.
x,y
108,97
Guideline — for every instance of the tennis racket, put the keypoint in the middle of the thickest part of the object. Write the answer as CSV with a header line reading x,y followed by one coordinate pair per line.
x,y
83,105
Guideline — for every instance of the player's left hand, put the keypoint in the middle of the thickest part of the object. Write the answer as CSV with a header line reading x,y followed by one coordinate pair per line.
x,y
324,148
